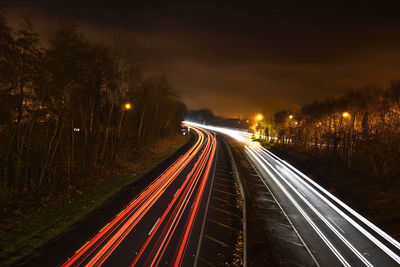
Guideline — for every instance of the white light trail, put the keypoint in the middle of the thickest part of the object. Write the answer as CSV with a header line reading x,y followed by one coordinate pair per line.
x,y
308,219
289,171
378,243
333,229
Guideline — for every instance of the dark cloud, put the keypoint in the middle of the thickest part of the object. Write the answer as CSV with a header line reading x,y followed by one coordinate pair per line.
x,y
240,58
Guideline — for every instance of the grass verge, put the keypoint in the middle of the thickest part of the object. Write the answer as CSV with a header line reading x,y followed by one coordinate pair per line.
x,y
30,220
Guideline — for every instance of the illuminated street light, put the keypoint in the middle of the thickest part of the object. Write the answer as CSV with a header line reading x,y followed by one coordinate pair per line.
x,y
290,117
128,106
346,114
259,117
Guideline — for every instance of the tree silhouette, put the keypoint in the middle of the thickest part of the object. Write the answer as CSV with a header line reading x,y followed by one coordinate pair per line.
x,y
63,107
361,126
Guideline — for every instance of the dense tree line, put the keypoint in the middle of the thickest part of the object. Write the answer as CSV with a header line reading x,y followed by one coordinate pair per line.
x,y
63,106
361,128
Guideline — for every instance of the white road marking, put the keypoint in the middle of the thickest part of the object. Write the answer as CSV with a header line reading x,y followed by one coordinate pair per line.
x,y
340,236
308,219
296,174
152,228
176,192
336,225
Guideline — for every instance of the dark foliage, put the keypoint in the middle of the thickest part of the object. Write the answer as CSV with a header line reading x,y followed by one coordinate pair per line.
x,y
361,128
63,107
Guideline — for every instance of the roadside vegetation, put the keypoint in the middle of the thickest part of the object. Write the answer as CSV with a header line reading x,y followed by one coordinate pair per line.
x,y
33,219
361,128
351,145
78,121
75,105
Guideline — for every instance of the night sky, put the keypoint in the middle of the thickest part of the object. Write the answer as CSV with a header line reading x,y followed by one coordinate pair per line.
x,y
246,57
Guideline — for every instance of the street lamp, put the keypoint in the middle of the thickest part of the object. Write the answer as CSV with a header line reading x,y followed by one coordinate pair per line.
x,y
259,117
290,117
128,106
345,114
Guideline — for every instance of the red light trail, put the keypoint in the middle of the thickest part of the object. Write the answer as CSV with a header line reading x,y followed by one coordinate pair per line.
x,y
181,211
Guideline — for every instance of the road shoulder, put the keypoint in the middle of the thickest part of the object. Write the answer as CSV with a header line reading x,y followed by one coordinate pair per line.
x,y
272,239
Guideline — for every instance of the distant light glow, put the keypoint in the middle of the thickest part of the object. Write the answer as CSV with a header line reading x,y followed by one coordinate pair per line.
x,y
259,117
238,135
290,116
346,115
128,106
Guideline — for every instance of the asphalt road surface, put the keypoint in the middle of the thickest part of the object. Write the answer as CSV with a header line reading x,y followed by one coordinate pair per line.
x,y
184,213
334,233
155,228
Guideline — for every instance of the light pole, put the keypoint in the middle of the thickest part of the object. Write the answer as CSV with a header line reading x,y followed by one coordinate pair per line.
x,y
259,117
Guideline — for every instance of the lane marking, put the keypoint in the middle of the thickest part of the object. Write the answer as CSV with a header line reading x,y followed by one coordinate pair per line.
x,y
336,225
227,212
340,236
224,192
283,211
152,228
372,226
308,219
206,261
222,224
304,195
219,183
378,243
198,249
220,199
178,210
176,192
217,241
222,179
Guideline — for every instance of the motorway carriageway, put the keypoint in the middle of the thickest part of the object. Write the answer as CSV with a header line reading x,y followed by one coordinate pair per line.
x,y
334,233
156,227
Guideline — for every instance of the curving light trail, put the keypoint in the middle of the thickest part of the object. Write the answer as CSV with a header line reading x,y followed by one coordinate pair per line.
x,y
326,214
177,219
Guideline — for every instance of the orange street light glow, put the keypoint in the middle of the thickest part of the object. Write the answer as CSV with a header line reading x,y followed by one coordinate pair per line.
x,y
259,117
346,114
128,106
290,116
